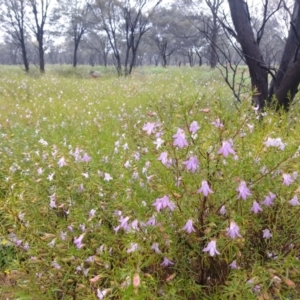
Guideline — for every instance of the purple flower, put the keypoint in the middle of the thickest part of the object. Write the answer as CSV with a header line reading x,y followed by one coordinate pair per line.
x,y
179,139
256,207
275,143
287,179
164,159
205,189
244,192
78,241
62,162
155,247
233,230
149,127
188,227
267,234
192,164
151,221
211,248
107,177
226,148
123,224
166,262
223,210
163,203
269,200
86,158
133,247
194,127
233,265
217,123
294,201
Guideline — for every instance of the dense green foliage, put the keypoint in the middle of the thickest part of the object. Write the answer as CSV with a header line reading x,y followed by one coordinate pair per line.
x,y
83,181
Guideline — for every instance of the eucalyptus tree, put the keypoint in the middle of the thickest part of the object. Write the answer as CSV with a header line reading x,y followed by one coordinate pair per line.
x,y
125,22
37,20
168,33
286,78
13,23
75,21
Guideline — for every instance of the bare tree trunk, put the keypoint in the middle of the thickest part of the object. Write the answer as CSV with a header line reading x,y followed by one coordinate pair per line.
x,y
213,59
41,55
285,83
251,51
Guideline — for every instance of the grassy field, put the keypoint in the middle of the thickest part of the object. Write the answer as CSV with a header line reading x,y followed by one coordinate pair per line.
x,y
155,186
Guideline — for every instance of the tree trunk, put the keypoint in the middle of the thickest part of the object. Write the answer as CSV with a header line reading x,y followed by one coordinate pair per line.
x,y
24,56
251,51
41,56
213,59
284,85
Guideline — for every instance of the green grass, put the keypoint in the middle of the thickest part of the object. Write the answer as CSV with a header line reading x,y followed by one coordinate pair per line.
x,y
66,116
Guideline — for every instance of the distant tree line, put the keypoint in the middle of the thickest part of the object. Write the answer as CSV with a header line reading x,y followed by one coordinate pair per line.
x,y
264,37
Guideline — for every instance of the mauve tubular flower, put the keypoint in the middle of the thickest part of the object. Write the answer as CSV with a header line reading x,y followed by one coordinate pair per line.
x,y
211,248
244,192
233,230
217,123
233,265
192,164
275,143
155,247
269,200
205,189
179,139
294,201
267,234
163,202
188,227
166,262
78,241
287,179
86,158
194,127
223,210
226,148
256,207
164,159
149,127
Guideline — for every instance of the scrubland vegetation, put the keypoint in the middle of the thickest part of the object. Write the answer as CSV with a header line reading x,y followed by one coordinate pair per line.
x,y
154,186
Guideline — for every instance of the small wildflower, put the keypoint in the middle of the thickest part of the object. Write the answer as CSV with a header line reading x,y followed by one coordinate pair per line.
x,y
149,127
269,200
205,189
226,148
287,179
192,164
166,262
217,123
78,241
163,203
155,247
233,230
188,227
275,143
194,127
256,207
211,248
233,265
294,201
244,192
267,234
133,247
223,210
179,139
